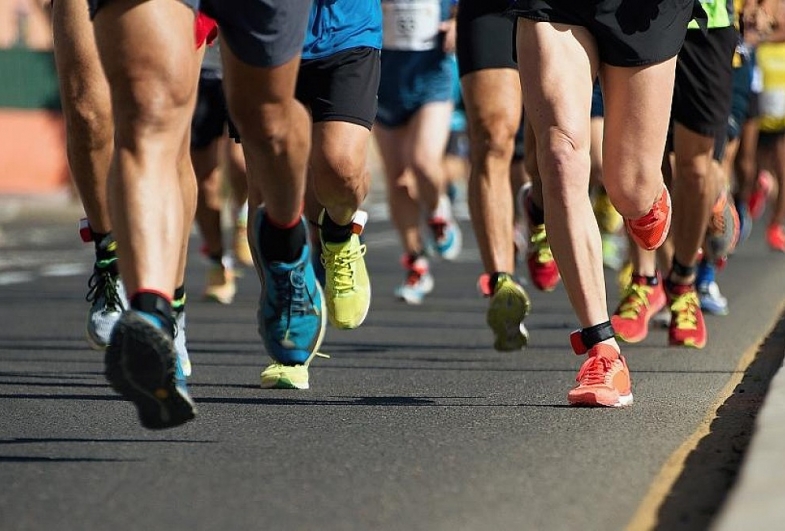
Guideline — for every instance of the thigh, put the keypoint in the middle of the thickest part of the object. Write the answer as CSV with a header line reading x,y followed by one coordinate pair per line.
x,y
557,65
636,102
492,98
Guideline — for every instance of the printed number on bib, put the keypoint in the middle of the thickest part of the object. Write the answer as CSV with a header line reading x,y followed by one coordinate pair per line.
x,y
411,25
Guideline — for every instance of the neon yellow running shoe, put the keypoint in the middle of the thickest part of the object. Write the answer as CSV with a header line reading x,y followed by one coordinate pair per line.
x,y
347,286
509,306
280,376
608,219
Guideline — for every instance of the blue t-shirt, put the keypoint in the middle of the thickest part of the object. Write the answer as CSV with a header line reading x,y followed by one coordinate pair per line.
x,y
337,25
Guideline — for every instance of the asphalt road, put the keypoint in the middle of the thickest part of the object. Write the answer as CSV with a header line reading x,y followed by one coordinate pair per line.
x,y
415,423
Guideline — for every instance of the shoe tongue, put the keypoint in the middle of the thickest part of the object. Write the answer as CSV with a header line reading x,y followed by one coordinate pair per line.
x,y
604,351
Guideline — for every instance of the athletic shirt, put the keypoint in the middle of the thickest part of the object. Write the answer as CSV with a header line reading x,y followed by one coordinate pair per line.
x,y
720,13
770,57
338,25
413,25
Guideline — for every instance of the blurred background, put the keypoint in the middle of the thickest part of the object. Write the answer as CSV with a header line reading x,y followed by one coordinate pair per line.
x,y
32,135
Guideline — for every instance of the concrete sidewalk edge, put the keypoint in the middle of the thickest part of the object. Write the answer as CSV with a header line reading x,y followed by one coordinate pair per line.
x,y
757,501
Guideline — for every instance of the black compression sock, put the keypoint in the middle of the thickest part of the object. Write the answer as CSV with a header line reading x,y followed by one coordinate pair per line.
x,y
334,233
280,244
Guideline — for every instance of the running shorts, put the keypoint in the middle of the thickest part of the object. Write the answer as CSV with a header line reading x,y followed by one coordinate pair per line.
x,y
704,80
261,33
210,114
627,33
341,87
485,36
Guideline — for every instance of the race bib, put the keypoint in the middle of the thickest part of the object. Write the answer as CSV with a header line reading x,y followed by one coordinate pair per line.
x,y
411,25
772,103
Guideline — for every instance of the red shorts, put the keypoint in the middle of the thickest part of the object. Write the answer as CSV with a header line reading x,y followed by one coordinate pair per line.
x,y
206,29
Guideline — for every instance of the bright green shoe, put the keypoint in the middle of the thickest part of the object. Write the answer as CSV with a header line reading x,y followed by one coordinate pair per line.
x,y
279,376
509,306
347,286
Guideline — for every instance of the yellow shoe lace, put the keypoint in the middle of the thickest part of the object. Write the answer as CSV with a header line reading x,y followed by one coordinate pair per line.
x,y
635,298
685,307
539,241
339,266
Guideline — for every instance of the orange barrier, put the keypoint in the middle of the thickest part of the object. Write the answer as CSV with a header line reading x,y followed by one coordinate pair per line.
x,y
32,152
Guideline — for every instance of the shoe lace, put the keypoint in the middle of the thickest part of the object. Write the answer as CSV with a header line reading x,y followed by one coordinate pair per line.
x,y
635,299
594,370
102,283
340,265
292,294
539,241
685,308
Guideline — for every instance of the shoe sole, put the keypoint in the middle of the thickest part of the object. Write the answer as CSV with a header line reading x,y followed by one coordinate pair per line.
x,y
148,377
589,399
506,320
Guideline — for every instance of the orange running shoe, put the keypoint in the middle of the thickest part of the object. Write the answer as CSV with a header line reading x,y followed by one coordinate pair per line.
x,y
542,266
638,305
604,380
687,327
775,237
650,231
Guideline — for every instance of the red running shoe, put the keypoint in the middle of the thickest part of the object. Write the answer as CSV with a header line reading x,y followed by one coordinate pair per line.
x,y
603,380
638,305
542,267
650,231
687,328
775,237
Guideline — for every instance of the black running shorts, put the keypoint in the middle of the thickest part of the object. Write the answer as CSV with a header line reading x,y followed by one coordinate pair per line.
x,y
704,81
628,32
341,87
485,36
210,115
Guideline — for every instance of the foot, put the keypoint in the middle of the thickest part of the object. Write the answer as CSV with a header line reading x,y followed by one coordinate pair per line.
x,y
638,305
651,230
509,306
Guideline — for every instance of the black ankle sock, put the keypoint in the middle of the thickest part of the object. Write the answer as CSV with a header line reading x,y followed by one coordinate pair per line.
x,y
105,251
334,233
156,305
216,258
650,281
178,302
279,244
536,214
677,268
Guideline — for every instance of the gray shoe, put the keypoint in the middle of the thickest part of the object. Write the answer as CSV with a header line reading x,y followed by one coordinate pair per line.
x,y
107,295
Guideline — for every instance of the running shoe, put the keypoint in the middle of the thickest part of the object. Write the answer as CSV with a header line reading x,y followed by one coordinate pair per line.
x,y
687,327
614,250
608,219
347,288
508,307
241,248
745,221
447,237
418,282
183,360
638,305
775,237
760,195
141,365
603,380
722,233
542,266
651,230
106,294
291,316
221,285
711,300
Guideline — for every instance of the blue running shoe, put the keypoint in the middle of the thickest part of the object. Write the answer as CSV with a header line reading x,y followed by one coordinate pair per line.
x,y
447,237
711,300
183,367
292,316
141,365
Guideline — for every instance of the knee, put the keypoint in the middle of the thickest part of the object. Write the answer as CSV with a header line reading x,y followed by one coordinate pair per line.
x,y
90,125
265,127
493,137
153,108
